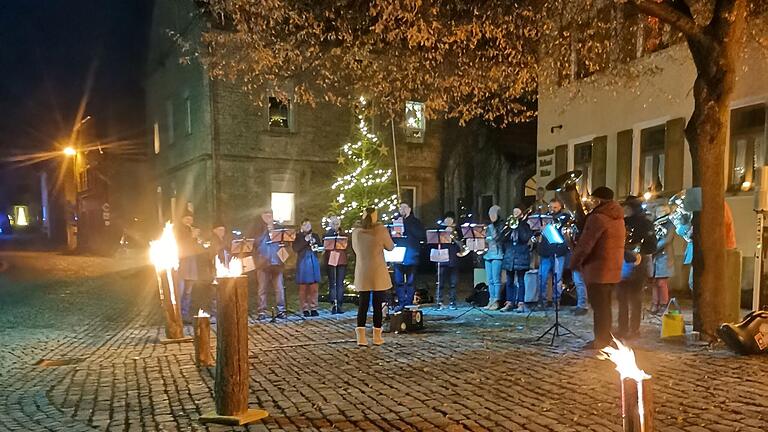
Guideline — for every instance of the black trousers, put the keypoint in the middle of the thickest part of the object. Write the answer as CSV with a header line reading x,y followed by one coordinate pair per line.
x,y
362,307
600,296
630,296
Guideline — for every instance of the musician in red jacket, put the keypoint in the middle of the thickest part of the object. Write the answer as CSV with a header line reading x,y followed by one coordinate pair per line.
x,y
599,255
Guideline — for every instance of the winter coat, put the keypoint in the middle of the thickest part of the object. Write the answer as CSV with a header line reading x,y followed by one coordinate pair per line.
x,y
370,268
599,252
547,249
343,254
219,248
494,247
307,264
188,251
663,259
265,253
517,251
414,234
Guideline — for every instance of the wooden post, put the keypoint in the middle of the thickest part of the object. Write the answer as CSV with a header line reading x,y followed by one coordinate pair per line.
x,y
203,356
173,328
232,376
636,405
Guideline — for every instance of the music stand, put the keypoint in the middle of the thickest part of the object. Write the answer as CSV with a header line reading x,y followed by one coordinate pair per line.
x,y
556,327
282,236
439,237
474,237
334,245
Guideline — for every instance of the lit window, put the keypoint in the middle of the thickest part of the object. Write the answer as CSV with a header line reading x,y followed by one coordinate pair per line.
x,y
415,122
21,215
283,206
279,113
156,136
747,145
652,144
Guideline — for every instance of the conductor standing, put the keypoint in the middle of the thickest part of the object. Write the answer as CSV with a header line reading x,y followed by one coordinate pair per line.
x,y
405,272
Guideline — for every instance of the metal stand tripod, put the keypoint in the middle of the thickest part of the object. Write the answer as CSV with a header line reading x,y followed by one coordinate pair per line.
x,y
556,329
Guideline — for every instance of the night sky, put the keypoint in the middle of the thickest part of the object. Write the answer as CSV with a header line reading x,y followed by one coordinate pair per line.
x,y
47,49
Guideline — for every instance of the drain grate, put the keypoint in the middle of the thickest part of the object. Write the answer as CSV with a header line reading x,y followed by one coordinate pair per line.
x,y
58,362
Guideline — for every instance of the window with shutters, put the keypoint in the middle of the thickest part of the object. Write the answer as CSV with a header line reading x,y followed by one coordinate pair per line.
x,y
747,145
652,159
582,160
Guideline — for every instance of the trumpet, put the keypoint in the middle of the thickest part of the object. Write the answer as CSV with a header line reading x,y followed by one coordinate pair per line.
x,y
512,223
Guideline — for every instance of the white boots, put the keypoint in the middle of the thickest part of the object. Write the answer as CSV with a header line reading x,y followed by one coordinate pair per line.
x,y
360,333
363,341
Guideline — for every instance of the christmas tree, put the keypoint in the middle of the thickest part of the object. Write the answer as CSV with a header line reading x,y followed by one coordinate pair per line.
x,y
364,179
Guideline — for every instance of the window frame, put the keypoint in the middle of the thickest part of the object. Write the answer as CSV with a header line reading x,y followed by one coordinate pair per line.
x,y
415,134
658,155
288,115
754,133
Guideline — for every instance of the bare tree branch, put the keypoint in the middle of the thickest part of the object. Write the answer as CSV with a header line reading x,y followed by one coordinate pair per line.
x,y
674,12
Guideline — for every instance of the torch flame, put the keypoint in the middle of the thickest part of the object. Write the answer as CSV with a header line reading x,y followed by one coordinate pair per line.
x,y
624,358
164,252
202,314
235,268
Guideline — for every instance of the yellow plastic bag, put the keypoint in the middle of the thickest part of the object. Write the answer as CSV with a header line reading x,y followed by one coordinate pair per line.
x,y
672,322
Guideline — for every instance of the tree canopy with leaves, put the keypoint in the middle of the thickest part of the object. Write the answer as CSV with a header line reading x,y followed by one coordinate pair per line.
x,y
491,59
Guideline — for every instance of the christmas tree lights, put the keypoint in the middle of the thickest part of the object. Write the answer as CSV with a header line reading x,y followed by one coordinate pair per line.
x,y
363,180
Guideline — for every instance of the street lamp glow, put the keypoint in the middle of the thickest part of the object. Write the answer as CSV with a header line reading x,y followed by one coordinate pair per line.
x,y
69,151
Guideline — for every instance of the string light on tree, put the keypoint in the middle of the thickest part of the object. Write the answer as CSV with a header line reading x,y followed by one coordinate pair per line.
x,y
363,178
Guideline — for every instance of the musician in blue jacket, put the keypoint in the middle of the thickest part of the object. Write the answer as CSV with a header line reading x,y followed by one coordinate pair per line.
x,y
405,272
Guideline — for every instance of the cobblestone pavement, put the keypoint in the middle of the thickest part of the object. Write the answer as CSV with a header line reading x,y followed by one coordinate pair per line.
x,y
474,373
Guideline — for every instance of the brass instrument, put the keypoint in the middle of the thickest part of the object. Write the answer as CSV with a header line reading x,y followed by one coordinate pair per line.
x,y
658,227
566,191
680,216
463,249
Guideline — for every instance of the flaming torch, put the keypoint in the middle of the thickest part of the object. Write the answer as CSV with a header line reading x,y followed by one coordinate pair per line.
x,y
636,396
164,254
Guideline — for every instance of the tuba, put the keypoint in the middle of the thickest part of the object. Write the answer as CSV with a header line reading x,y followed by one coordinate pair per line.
x,y
565,189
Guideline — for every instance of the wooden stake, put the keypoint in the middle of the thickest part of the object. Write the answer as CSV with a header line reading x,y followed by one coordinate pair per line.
x,y
232,376
203,356
636,405
173,328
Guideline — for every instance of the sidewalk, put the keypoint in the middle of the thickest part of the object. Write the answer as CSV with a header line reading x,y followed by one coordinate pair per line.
x,y
475,373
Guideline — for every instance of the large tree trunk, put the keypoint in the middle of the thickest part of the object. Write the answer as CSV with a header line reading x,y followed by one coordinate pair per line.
x,y
714,54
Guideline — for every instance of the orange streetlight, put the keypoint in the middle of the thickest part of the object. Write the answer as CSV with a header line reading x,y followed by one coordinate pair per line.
x,y
69,151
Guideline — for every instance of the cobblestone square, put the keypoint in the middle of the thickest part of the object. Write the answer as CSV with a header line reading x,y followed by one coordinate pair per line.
x,y
478,372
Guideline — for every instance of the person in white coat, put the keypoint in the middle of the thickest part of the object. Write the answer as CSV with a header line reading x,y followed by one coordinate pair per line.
x,y
371,275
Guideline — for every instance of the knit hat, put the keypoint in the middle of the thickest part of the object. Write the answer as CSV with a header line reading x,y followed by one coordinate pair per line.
x,y
603,193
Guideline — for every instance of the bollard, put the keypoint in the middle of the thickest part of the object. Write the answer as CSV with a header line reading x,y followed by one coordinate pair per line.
x,y
232,376
203,356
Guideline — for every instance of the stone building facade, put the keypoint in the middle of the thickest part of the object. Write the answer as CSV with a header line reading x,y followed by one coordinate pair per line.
x,y
224,155
628,133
